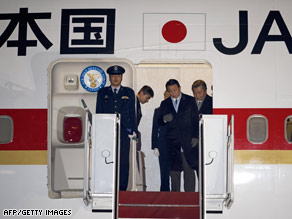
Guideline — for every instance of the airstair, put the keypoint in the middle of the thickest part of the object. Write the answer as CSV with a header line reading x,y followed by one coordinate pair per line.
x,y
101,167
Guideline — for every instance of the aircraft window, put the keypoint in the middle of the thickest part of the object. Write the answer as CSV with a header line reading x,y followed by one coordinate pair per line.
x,y
72,129
257,129
6,129
288,129
70,121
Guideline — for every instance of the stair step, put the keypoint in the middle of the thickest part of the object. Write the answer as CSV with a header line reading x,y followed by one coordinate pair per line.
x,y
179,205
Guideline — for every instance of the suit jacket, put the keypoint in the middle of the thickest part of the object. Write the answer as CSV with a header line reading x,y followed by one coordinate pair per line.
x,y
138,119
158,133
138,111
181,130
207,106
122,103
185,120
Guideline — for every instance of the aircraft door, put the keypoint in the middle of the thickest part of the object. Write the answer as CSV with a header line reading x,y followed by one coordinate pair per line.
x,y
71,80
216,140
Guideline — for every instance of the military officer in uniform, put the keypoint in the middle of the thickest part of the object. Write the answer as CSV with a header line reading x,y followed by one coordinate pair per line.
x,y
119,99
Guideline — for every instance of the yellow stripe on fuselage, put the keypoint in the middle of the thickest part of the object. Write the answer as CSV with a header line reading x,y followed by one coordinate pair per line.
x,y
23,157
263,157
29,157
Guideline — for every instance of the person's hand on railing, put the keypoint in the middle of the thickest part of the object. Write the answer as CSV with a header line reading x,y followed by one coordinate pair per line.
x,y
133,137
156,152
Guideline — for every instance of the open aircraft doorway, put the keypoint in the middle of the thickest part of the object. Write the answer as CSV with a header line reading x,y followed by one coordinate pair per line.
x,y
155,74
151,198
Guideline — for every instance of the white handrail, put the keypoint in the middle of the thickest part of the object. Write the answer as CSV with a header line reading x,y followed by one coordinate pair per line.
x,y
133,158
86,197
230,164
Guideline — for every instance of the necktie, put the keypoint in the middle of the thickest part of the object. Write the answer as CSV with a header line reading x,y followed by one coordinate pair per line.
x,y
176,106
199,104
115,92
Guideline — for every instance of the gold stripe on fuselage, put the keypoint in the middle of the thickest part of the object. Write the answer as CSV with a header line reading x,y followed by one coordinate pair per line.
x,y
263,157
27,157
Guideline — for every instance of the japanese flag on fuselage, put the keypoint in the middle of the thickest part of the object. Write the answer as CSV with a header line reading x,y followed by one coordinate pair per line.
x,y
174,31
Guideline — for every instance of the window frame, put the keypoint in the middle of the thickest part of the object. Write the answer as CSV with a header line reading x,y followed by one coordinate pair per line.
x,y
285,129
11,131
248,125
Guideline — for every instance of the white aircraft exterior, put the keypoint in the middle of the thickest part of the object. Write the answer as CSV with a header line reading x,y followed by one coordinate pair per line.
x,y
241,48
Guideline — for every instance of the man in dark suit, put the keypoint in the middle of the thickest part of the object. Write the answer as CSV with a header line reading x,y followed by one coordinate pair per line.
x,y
119,99
159,147
203,100
180,115
143,96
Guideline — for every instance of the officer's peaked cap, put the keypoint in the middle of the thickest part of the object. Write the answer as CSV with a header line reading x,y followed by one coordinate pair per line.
x,y
115,70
